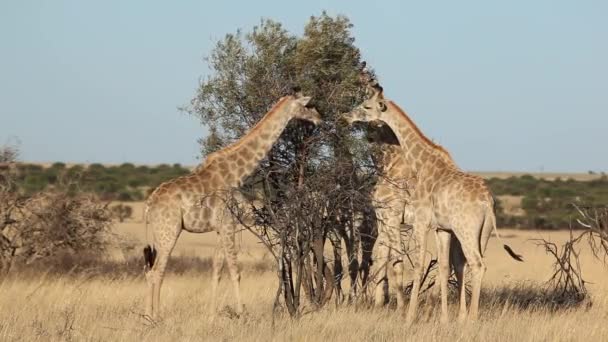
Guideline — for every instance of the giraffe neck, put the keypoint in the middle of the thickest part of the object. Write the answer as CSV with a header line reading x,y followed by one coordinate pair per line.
x,y
392,163
418,151
237,161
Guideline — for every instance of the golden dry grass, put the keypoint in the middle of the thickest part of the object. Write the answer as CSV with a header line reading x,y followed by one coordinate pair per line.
x,y
81,308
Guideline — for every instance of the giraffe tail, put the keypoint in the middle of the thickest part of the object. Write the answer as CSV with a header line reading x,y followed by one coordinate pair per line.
x,y
492,219
149,250
149,256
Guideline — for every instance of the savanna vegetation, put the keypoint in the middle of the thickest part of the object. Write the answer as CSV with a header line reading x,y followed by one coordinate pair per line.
x,y
125,182
546,204
542,203
76,274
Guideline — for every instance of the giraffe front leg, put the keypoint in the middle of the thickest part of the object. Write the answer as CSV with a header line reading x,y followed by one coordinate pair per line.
x,y
443,238
338,268
368,240
216,276
379,272
353,266
228,242
419,236
396,261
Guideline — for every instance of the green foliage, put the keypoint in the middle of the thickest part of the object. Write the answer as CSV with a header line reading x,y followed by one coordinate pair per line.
x,y
125,182
548,204
252,71
311,173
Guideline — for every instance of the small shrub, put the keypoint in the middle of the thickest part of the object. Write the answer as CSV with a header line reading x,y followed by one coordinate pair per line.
x,y
122,212
49,223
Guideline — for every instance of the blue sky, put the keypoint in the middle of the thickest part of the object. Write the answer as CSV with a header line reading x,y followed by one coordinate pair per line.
x,y
517,86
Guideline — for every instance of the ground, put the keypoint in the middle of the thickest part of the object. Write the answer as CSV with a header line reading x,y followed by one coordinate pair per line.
x,y
84,308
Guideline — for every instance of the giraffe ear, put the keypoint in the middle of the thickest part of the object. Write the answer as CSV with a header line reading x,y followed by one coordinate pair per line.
x,y
296,91
303,100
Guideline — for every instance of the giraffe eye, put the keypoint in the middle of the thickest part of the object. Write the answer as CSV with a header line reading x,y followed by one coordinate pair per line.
x,y
382,106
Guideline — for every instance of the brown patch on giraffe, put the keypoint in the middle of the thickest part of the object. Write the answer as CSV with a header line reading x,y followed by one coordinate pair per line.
x,y
229,177
216,179
223,166
253,144
416,150
206,213
246,153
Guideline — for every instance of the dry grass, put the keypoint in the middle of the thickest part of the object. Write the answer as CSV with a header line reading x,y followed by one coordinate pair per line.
x,y
84,309
89,307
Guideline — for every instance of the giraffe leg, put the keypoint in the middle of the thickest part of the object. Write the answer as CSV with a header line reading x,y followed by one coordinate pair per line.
x,y
458,262
163,258
394,234
368,239
419,236
149,292
443,255
353,264
228,242
478,269
472,253
380,260
338,268
154,276
218,266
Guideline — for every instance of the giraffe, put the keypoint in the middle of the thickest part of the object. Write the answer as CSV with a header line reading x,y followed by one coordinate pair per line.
x,y
388,197
392,188
443,199
195,202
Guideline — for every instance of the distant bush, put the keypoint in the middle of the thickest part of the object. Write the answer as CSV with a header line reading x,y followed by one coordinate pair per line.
x,y
125,182
49,223
547,204
122,212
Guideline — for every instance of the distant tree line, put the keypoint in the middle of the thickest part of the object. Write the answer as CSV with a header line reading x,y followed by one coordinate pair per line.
x,y
546,204
125,182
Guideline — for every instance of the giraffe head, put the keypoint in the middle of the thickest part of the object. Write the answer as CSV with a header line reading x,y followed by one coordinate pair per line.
x,y
371,109
299,110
